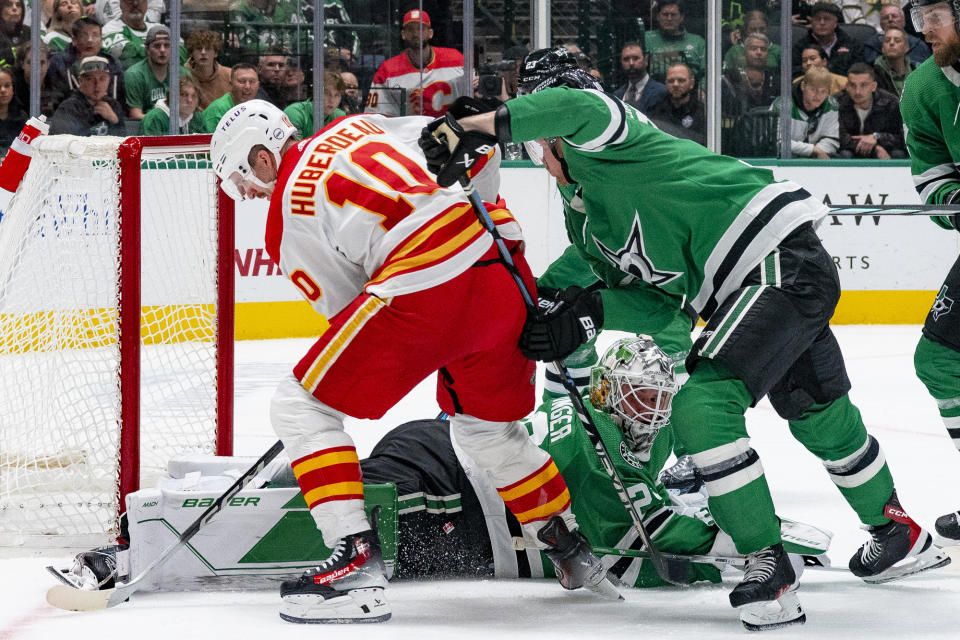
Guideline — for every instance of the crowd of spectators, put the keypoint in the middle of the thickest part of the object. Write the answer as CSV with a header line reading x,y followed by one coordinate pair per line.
x,y
105,68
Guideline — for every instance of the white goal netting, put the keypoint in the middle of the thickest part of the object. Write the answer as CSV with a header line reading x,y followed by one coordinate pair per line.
x,y
63,282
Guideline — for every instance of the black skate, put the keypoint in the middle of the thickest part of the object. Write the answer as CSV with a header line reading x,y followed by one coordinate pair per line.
x,y
575,564
897,549
347,587
948,526
767,596
682,477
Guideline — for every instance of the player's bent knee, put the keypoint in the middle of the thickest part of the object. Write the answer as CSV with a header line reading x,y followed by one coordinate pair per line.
x,y
300,420
502,448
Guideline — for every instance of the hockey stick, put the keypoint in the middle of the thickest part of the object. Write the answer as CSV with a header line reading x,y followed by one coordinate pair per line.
x,y
673,570
73,599
810,561
895,210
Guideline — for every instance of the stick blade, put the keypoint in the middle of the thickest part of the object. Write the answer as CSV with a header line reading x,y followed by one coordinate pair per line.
x,y
675,571
71,599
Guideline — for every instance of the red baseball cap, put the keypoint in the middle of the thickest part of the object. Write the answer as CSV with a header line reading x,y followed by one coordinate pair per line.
x,y
415,15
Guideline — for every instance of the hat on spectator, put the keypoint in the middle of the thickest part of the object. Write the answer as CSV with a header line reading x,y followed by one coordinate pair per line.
x,y
155,32
825,7
415,15
91,64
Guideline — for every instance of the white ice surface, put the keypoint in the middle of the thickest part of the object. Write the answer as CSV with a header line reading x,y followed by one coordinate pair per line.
x,y
895,407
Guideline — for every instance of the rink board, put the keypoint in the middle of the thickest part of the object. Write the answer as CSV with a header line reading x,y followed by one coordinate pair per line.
x,y
890,267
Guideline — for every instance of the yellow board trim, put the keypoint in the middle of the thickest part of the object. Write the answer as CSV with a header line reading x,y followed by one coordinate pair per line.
x,y
883,307
297,319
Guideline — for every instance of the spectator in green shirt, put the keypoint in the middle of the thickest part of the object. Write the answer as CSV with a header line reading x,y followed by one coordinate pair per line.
x,y
147,81
244,84
670,43
301,113
157,122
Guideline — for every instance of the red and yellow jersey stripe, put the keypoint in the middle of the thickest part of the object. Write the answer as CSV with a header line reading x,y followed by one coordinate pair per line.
x,y
329,474
538,496
441,238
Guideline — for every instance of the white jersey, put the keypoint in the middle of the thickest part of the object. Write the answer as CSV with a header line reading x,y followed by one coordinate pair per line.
x,y
400,88
355,210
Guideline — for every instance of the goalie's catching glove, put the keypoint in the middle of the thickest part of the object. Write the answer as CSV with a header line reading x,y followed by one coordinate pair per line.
x,y
563,321
450,150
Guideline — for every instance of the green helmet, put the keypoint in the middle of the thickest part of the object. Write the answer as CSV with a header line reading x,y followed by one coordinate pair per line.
x,y
634,383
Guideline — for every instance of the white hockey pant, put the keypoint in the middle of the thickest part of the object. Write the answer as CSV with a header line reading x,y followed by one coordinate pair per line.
x,y
506,453
306,426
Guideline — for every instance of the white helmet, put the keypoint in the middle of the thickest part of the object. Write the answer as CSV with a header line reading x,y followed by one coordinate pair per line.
x,y
246,125
634,382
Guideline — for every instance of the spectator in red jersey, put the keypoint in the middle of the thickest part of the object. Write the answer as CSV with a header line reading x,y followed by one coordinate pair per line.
x,y
423,80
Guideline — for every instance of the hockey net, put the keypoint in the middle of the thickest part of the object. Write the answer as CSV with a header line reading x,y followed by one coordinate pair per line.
x,y
116,330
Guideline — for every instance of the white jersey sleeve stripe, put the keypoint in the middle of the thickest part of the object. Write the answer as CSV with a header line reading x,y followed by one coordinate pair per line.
x,y
933,178
616,130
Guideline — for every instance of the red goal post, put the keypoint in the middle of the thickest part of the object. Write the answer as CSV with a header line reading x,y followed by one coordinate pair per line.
x,y
116,329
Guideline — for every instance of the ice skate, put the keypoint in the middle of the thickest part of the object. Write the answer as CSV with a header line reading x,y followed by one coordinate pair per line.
x,y
948,526
575,564
347,587
897,549
767,596
683,477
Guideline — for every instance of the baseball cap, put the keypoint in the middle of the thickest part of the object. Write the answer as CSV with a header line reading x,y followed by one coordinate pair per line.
x,y
155,32
825,7
415,15
91,64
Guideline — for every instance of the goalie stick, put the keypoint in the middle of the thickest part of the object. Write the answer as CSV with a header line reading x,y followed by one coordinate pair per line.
x,y
71,598
675,570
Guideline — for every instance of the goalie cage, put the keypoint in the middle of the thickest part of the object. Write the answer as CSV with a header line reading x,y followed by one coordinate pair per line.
x,y
116,330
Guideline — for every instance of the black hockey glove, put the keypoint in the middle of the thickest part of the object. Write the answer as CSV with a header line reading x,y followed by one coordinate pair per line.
x,y
562,324
450,150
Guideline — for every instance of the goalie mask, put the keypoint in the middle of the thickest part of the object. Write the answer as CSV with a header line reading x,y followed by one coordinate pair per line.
x,y
928,13
251,123
634,383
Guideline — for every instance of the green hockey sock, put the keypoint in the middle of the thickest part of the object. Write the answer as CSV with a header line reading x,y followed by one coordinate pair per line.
x,y
834,432
708,418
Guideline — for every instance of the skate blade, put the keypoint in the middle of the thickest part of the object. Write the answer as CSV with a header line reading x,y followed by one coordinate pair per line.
x,y
932,558
355,606
776,614
605,589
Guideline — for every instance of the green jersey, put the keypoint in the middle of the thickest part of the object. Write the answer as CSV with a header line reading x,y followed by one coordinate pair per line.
x,y
301,116
215,110
660,209
929,110
142,87
600,514
688,48
157,122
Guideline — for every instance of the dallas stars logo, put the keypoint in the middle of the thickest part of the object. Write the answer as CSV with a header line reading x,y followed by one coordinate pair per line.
x,y
942,305
632,258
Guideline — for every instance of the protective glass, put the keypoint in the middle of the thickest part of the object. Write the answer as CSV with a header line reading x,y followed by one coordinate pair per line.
x,y
931,16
